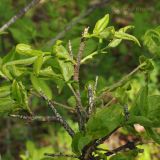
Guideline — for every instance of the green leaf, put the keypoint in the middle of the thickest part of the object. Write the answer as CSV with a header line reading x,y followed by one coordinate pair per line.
x,y
99,125
148,63
16,92
129,155
7,68
140,106
67,69
38,64
107,32
5,91
61,53
124,29
101,24
114,43
19,94
26,49
26,61
41,86
126,36
75,141
72,101
154,107
103,122
151,40
9,57
48,72
79,141
144,121
7,105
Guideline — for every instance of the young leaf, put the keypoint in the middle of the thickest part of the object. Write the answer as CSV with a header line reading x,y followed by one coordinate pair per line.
x,y
126,36
107,32
101,24
151,40
61,53
25,49
148,64
26,61
114,43
124,29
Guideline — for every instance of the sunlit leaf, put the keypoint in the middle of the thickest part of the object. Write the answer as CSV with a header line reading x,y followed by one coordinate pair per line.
x,y
101,24
126,36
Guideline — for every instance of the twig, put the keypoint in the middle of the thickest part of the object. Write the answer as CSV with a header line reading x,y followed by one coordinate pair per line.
x,y
36,118
126,112
95,85
60,119
82,116
100,141
122,81
129,145
90,148
55,102
70,49
64,106
90,99
61,155
79,55
75,21
110,102
79,110
19,14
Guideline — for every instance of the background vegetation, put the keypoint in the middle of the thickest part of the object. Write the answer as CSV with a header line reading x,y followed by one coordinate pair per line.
x,y
27,140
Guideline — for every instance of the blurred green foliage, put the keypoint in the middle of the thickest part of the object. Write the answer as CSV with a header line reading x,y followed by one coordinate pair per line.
x,y
43,23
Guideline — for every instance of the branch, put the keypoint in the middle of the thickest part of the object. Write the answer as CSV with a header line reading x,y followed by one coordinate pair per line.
x,y
35,118
81,115
64,106
90,148
61,155
79,55
129,145
75,21
55,102
60,119
19,14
